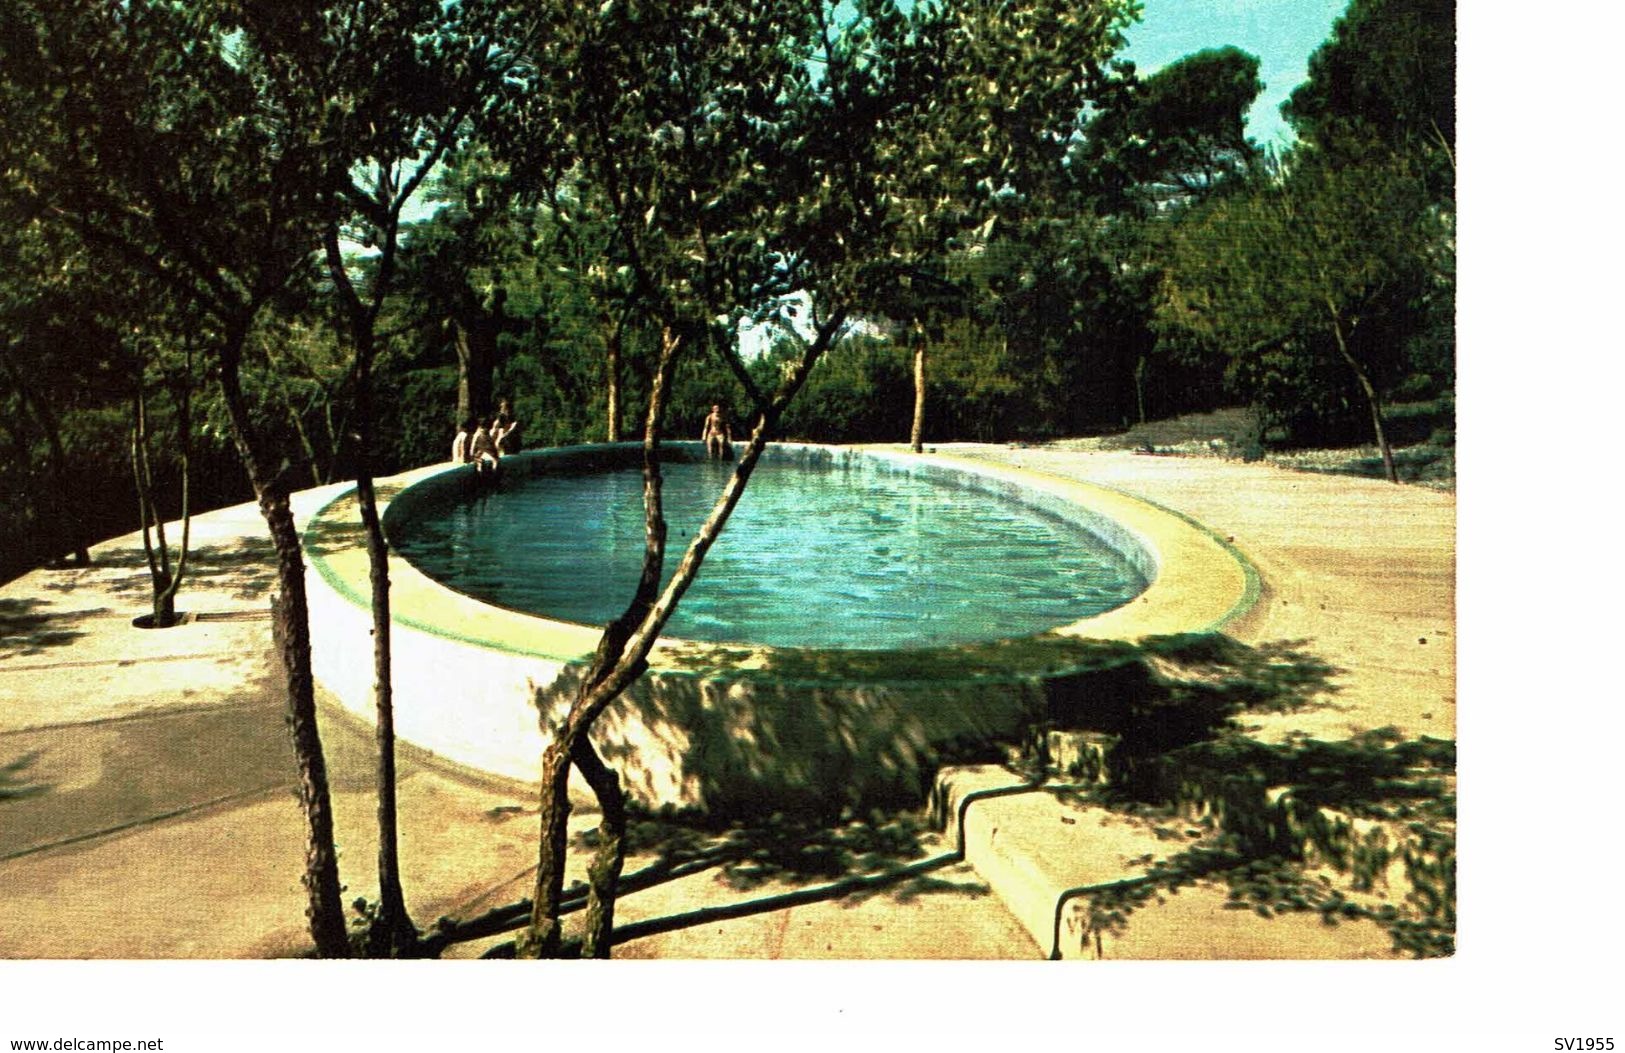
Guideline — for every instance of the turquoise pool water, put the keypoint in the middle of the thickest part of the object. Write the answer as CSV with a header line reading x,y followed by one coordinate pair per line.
x,y
847,555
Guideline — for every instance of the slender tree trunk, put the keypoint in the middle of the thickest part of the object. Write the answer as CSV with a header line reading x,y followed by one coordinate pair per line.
x,y
475,368
542,939
916,433
183,428
166,575
1371,400
624,647
163,596
604,872
476,333
1140,369
144,505
612,366
296,419
291,626
394,934
317,476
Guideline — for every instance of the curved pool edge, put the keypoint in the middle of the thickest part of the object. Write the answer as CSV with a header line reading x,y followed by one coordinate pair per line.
x,y
715,725
1201,583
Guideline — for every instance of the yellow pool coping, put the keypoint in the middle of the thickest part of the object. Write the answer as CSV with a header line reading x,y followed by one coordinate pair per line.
x,y
1200,581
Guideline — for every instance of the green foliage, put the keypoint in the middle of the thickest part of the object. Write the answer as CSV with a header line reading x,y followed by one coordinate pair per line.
x,y
942,119
1041,319
1384,82
81,332
1174,137
857,393
1079,246
1313,280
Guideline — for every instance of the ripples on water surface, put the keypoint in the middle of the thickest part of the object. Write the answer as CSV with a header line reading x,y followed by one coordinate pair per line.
x,y
844,556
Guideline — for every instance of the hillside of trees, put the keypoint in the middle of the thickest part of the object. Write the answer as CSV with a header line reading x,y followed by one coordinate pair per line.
x,y
1166,265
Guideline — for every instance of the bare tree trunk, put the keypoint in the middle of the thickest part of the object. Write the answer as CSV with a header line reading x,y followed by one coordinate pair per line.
x,y
183,427
291,626
163,613
612,366
1371,400
542,940
475,334
317,476
473,374
917,432
166,575
144,505
393,933
1140,369
604,872
296,419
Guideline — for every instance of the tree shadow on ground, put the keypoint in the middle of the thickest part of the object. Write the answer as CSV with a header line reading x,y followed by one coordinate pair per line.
x,y
29,627
817,731
1169,692
245,568
14,779
790,860
338,529
786,849
1413,464
1303,826
1158,695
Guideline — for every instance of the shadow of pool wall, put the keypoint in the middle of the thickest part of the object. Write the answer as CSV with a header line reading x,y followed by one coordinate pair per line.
x,y
690,738
748,747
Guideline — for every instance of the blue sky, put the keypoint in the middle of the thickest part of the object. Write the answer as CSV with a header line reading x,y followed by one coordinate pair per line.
x,y
1282,33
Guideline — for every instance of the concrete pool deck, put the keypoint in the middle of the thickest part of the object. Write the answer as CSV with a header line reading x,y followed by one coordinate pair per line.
x,y
162,770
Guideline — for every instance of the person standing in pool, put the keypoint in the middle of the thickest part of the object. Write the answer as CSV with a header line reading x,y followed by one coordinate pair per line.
x,y
717,436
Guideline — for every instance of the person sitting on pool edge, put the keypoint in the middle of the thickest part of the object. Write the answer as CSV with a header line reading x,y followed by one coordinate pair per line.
x,y
717,436
505,430
483,448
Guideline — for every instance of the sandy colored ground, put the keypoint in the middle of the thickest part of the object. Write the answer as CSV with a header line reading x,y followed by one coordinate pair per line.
x,y
162,821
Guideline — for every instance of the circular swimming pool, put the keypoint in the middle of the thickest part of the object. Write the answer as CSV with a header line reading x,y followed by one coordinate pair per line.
x,y
832,553
728,726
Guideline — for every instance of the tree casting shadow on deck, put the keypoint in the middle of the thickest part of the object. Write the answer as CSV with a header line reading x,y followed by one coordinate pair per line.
x,y
1163,696
30,627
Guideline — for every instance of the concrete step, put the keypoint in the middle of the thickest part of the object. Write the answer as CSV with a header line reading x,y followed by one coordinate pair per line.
x,y
1041,848
1046,850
